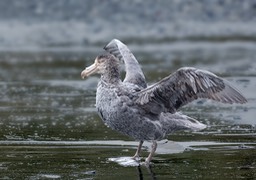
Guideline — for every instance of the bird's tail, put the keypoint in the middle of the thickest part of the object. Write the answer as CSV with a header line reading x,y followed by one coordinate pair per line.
x,y
194,124
178,122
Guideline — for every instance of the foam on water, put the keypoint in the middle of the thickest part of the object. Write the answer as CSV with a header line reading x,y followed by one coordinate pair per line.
x,y
125,161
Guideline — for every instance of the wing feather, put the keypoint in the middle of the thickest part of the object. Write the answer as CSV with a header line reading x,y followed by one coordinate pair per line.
x,y
184,86
134,73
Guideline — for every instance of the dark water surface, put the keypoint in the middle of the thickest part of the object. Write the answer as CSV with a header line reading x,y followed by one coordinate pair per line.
x,y
49,128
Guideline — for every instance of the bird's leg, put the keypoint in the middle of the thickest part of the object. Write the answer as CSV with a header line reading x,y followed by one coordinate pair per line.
x,y
137,154
151,154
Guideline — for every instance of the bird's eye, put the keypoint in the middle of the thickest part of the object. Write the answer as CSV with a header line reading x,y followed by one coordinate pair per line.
x,y
100,60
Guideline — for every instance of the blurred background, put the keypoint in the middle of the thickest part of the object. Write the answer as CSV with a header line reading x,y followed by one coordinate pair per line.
x,y
48,122
38,24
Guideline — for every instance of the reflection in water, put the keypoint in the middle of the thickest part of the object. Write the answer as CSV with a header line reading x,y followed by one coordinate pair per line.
x,y
152,175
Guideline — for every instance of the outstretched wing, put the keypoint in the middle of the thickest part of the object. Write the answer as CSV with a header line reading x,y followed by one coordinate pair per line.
x,y
134,73
184,86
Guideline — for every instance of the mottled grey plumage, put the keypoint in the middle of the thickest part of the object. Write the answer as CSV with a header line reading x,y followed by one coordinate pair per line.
x,y
134,73
150,113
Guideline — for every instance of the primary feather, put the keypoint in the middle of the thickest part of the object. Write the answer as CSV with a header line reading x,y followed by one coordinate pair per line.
x,y
184,86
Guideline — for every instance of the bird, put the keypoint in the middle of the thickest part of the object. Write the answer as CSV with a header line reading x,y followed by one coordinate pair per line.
x,y
151,112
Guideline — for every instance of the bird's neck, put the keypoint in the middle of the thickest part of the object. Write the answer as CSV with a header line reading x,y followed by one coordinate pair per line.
x,y
111,76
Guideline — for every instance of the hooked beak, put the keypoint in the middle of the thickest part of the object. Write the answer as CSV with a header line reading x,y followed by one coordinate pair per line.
x,y
89,70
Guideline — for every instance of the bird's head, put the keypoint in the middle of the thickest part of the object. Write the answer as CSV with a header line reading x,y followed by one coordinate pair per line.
x,y
103,64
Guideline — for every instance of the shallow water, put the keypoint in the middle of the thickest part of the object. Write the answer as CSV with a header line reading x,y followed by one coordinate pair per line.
x,y
49,128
